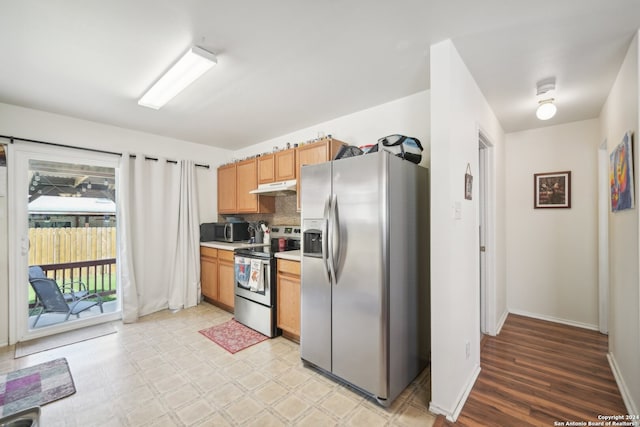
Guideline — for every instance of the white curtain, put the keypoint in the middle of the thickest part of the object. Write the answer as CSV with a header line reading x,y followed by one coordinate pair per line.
x,y
185,289
159,231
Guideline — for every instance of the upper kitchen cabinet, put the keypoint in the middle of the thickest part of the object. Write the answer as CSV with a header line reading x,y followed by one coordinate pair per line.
x,y
285,165
234,187
276,167
227,189
317,152
266,169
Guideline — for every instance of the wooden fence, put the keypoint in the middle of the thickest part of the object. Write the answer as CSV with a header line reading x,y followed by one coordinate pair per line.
x,y
62,245
59,248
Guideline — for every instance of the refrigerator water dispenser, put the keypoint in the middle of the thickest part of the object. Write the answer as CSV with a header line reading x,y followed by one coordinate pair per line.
x,y
312,238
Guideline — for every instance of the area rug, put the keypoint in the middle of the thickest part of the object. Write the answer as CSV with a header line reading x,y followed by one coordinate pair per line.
x,y
35,386
26,348
233,336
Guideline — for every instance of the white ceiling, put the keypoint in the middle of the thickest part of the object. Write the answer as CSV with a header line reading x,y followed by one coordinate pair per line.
x,y
287,64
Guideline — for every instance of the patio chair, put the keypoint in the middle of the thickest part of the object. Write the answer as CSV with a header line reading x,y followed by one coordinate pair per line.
x,y
68,291
52,299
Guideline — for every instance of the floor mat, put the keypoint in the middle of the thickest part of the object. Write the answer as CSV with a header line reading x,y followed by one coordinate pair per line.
x,y
233,336
26,348
35,386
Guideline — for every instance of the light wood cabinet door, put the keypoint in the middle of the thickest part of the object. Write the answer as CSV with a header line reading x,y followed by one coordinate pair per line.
x,y
266,169
288,297
285,165
209,272
246,180
234,183
311,154
227,189
226,279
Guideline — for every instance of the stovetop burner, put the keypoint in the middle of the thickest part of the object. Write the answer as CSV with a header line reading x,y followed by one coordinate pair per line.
x,y
257,251
290,234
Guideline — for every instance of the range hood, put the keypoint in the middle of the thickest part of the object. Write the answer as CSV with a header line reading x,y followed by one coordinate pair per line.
x,y
282,188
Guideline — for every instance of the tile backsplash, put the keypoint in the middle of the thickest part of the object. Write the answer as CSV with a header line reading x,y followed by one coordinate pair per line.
x,y
285,213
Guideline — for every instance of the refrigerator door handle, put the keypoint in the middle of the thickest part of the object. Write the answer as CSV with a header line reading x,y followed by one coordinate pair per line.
x,y
326,236
325,252
334,237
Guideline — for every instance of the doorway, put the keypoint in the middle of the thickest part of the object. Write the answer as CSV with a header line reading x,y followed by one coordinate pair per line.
x,y
486,235
603,238
63,229
482,211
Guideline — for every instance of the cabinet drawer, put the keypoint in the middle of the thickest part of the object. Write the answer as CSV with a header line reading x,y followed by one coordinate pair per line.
x,y
291,267
208,252
225,255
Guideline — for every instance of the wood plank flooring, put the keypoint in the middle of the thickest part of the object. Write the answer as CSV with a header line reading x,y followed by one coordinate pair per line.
x,y
537,373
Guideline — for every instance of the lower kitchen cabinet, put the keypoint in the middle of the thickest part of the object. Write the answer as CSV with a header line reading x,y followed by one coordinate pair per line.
x,y
209,272
217,277
226,279
288,298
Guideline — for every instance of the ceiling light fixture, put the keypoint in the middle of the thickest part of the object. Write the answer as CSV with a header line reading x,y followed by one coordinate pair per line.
x,y
546,109
194,63
545,91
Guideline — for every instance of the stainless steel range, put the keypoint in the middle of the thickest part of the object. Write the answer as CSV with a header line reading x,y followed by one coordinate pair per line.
x,y
255,277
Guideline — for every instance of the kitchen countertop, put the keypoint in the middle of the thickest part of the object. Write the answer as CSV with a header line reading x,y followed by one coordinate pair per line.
x,y
289,255
225,246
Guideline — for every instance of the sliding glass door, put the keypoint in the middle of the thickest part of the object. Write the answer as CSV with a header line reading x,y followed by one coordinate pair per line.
x,y
64,240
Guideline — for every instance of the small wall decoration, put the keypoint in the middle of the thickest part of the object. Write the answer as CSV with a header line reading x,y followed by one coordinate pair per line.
x,y
552,190
468,183
621,175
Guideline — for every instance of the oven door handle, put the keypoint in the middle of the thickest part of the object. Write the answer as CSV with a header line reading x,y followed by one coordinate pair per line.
x,y
265,275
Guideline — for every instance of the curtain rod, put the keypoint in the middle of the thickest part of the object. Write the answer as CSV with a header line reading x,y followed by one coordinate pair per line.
x,y
55,144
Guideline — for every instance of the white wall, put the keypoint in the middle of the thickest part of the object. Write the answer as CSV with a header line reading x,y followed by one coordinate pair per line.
x,y
552,257
33,124
406,116
39,125
458,111
619,115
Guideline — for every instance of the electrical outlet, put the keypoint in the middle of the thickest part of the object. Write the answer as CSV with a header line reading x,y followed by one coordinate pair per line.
x,y
468,349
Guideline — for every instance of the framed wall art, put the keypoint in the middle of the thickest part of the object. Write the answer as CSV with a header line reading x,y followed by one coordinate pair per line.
x,y
552,190
621,175
468,183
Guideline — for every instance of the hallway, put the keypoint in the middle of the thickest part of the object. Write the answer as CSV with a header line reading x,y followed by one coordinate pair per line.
x,y
537,373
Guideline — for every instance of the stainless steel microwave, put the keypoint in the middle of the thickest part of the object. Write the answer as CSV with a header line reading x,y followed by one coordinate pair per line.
x,y
224,231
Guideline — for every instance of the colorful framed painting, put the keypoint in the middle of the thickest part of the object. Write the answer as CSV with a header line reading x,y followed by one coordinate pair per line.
x,y
621,175
552,190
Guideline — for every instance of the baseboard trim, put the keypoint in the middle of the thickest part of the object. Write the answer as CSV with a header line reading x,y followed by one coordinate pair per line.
x,y
622,386
438,410
501,322
465,394
556,320
453,416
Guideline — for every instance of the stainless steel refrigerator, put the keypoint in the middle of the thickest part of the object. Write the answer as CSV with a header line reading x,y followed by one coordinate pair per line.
x,y
365,271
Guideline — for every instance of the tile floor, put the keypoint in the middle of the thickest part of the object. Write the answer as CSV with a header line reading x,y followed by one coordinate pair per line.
x,y
161,372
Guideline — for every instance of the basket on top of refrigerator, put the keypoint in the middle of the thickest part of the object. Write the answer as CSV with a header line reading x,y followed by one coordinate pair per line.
x,y
405,147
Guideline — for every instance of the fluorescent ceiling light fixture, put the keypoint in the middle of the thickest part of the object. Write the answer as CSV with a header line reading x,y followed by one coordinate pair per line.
x,y
546,109
194,63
